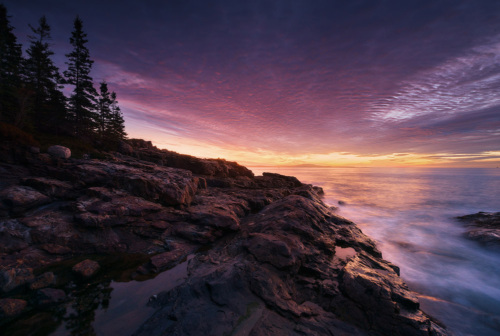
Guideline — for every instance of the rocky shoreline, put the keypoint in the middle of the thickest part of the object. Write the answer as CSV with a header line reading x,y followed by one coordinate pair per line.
x,y
265,255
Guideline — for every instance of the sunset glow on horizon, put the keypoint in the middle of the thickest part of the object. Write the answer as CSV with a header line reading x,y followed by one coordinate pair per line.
x,y
284,83
256,157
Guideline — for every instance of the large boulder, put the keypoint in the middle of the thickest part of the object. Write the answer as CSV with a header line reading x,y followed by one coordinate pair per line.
x,y
59,152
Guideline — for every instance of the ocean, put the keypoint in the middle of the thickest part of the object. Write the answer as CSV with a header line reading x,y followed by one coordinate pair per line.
x,y
410,213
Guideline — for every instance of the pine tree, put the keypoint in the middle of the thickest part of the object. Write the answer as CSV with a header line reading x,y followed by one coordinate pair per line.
x,y
43,77
111,128
116,126
82,101
12,95
58,115
104,110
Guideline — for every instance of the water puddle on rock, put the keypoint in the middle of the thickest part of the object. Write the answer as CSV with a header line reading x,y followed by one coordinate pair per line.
x,y
345,253
105,307
127,308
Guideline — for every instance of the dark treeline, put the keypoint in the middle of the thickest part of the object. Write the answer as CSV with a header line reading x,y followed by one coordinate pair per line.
x,y
31,96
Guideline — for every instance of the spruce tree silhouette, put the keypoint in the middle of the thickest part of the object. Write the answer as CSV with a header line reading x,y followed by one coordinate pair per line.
x,y
82,102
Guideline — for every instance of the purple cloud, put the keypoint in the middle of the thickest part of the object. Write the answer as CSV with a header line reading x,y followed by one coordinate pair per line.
x,y
415,77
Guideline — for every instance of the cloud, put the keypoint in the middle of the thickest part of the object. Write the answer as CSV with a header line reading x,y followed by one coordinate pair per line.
x,y
291,79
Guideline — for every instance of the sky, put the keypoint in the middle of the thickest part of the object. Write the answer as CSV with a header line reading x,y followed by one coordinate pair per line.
x,y
335,83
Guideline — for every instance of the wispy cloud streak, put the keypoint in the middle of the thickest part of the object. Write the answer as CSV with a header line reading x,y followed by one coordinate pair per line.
x,y
393,81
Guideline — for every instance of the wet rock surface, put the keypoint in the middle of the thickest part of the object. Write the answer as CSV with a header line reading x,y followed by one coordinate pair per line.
x,y
483,227
265,255
86,268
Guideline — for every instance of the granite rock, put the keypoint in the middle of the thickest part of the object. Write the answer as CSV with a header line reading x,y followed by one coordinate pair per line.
x,y
86,268
483,227
59,152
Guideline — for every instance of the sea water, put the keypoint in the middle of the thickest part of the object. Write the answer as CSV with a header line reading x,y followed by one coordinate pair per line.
x,y
410,213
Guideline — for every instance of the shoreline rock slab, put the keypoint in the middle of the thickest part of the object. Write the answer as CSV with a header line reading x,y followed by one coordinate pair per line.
x,y
483,227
